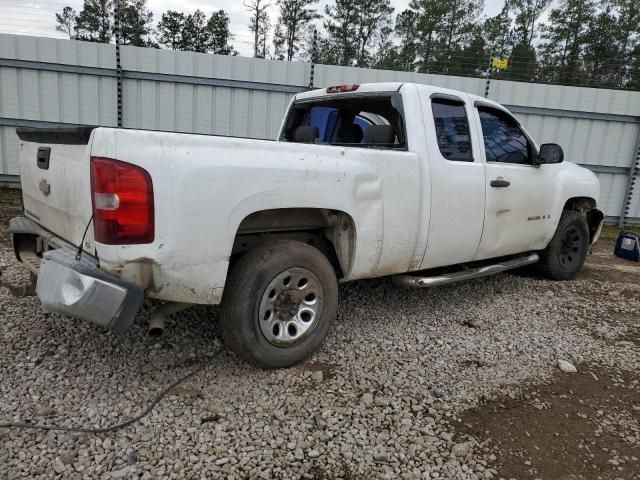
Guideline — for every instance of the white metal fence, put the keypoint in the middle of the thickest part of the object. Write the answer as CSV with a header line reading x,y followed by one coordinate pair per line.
x,y
48,82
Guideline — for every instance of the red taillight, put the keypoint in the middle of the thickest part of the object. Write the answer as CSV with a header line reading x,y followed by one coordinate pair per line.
x,y
343,88
122,196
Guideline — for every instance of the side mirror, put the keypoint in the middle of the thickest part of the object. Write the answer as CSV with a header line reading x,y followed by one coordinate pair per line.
x,y
550,153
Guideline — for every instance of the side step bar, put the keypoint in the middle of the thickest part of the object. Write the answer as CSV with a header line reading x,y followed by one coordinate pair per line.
x,y
424,282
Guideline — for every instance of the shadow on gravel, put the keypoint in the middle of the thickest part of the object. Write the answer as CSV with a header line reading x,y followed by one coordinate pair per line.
x,y
580,426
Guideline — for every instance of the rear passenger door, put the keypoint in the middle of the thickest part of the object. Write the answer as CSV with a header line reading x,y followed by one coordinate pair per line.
x,y
457,179
519,195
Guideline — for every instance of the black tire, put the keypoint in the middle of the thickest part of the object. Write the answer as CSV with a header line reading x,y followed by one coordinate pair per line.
x,y
564,256
244,296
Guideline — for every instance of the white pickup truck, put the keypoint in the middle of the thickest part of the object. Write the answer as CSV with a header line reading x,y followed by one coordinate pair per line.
x,y
425,184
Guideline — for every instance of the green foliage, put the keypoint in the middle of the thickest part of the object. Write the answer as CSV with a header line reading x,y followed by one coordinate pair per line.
x,y
527,13
66,21
579,42
259,25
195,33
522,64
279,41
220,35
93,23
566,37
170,28
135,22
355,28
497,34
195,36
295,15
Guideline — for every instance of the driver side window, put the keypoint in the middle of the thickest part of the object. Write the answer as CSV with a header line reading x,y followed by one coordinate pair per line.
x,y
504,141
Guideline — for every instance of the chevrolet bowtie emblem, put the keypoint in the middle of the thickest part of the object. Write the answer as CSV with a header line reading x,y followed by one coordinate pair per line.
x,y
45,188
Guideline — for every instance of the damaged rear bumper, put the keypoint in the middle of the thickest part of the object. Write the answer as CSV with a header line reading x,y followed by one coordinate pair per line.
x,y
78,288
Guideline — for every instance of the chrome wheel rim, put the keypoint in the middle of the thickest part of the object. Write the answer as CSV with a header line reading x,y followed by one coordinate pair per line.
x,y
290,307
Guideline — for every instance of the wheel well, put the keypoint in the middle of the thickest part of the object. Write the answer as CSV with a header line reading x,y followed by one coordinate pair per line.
x,y
580,204
587,207
330,231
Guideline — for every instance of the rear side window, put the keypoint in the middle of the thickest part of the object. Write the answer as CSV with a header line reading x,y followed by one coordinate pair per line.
x,y
452,130
504,141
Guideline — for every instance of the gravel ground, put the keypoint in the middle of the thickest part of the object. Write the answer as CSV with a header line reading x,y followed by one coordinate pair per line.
x,y
383,398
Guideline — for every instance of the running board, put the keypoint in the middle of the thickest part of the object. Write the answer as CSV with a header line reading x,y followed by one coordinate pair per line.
x,y
424,282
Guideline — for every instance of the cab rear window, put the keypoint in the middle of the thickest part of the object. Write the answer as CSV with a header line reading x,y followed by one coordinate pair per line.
x,y
364,121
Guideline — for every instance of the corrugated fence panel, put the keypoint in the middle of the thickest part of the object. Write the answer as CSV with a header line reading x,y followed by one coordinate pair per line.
x,y
565,98
58,51
56,96
585,141
634,211
203,109
246,107
8,151
46,81
214,66
610,198
49,90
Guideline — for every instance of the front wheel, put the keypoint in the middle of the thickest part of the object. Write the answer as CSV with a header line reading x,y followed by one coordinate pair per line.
x,y
279,303
564,256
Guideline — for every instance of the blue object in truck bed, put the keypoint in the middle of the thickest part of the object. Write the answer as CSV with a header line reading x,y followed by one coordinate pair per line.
x,y
628,246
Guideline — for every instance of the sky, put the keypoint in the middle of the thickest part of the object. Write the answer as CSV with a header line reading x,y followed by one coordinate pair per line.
x,y
37,17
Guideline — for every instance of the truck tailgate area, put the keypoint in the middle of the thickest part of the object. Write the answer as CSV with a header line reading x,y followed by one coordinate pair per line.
x,y
54,171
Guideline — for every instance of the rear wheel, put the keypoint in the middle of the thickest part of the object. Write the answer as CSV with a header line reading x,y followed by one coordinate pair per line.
x,y
279,303
564,256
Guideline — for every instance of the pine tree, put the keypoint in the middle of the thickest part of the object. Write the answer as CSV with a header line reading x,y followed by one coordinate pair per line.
x,y
279,41
527,13
340,23
354,26
566,36
93,23
460,19
294,16
195,35
431,15
470,58
374,23
220,35
634,80
497,34
169,29
258,25
600,52
628,13
385,53
405,29
135,22
66,21
522,64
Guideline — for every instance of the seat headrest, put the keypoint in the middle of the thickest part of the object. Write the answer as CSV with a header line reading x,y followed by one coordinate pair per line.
x,y
350,134
306,134
379,135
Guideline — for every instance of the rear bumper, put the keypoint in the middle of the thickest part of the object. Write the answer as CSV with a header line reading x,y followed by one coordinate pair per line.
x,y
73,287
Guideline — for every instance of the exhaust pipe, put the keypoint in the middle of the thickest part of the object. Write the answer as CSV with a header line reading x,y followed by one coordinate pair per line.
x,y
160,315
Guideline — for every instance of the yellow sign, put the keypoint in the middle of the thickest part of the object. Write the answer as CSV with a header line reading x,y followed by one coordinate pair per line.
x,y
500,63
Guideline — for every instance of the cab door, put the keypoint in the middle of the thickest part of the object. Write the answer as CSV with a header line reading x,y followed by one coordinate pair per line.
x,y
519,194
457,179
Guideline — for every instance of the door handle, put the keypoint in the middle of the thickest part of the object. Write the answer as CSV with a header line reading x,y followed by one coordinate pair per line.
x,y
499,183
42,157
